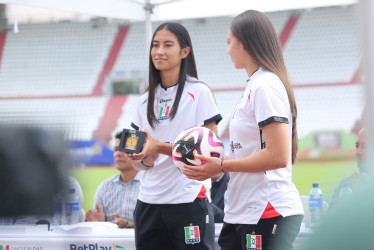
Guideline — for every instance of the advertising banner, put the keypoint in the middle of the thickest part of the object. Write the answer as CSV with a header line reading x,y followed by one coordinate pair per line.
x,y
66,244
88,153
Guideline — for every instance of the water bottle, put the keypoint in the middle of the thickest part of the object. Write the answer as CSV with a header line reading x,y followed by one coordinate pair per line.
x,y
5,221
225,195
72,207
315,205
57,212
345,192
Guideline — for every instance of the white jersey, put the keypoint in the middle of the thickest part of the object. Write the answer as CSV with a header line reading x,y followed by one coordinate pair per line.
x,y
164,183
264,101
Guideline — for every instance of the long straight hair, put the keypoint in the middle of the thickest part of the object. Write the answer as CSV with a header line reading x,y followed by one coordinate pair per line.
x,y
188,67
258,36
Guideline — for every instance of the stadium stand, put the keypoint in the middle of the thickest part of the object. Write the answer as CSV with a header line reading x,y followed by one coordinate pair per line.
x,y
50,73
132,59
328,108
323,48
76,117
54,59
124,121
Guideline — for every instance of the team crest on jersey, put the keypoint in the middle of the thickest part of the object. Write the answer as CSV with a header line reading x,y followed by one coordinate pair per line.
x,y
163,113
192,234
254,242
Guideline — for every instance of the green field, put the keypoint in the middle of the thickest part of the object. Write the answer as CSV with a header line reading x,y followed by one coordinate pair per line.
x,y
90,178
327,173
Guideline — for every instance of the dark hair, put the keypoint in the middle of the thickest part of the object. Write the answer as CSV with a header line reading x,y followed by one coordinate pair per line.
x,y
118,135
188,67
258,36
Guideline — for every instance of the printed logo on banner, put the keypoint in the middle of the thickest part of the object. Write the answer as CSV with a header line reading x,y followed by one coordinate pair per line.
x,y
192,234
95,246
8,247
254,242
117,247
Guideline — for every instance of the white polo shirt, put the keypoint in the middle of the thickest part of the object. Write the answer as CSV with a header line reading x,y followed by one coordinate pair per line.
x,y
264,101
164,183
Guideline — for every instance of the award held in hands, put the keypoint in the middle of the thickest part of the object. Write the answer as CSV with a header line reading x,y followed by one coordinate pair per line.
x,y
132,141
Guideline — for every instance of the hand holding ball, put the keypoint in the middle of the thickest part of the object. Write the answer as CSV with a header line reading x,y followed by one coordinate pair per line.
x,y
193,142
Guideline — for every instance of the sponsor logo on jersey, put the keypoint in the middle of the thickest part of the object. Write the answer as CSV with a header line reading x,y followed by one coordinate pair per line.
x,y
235,145
192,234
192,95
254,242
165,100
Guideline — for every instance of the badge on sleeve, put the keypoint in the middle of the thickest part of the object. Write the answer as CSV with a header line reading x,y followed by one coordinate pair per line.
x,y
192,234
254,242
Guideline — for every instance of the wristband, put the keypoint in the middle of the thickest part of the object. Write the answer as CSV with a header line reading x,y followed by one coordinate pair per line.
x,y
222,166
145,165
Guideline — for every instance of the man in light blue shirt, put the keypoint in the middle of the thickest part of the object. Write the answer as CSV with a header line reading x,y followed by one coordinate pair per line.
x,y
116,197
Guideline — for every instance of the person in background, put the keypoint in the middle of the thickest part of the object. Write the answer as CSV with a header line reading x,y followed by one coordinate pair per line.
x,y
172,211
354,216
115,198
219,187
350,183
264,210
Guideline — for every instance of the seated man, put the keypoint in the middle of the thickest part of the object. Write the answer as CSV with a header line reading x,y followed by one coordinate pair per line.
x,y
349,183
219,187
116,197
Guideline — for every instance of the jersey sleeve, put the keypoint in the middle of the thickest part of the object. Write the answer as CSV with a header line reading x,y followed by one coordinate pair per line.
x,y
141,113
271,104
207,110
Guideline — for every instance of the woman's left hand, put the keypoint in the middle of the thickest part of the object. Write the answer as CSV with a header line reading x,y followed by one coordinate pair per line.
x,y
211,168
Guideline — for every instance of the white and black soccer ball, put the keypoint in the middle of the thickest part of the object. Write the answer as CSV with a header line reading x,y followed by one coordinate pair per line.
x,y
193,142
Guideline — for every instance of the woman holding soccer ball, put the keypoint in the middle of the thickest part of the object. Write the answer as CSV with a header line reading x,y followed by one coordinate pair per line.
x,y
172,211
264,210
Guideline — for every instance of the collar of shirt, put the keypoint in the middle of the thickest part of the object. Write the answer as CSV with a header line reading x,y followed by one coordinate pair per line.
x,y
117,178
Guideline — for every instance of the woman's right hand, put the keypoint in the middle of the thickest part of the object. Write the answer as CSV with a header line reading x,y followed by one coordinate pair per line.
x,y
149,150
211,167
148,155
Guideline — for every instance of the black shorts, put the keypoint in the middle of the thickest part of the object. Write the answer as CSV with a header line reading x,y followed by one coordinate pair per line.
x,y
174,226
276,233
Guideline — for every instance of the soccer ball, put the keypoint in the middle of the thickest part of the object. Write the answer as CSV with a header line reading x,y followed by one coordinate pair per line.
x,y
196,141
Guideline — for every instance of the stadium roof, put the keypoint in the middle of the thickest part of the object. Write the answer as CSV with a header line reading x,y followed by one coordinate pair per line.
x,y
47,10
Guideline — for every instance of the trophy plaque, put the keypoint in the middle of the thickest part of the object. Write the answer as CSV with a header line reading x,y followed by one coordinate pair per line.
x,y
132,141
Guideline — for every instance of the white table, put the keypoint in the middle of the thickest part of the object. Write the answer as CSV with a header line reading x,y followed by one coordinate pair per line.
x,y
91,237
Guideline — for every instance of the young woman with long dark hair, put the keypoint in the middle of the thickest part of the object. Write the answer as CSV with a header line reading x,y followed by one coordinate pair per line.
x,y
172,211
264,210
